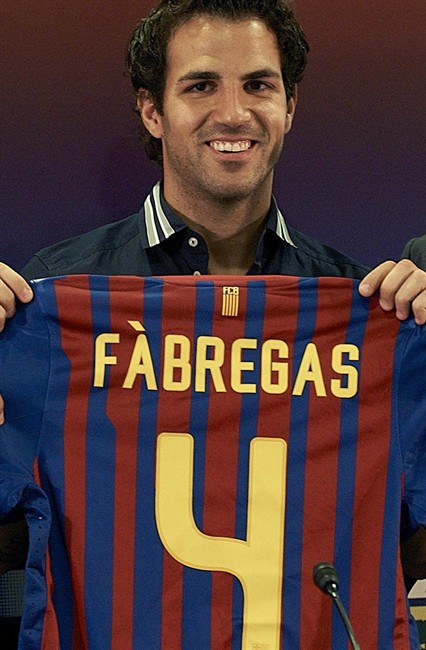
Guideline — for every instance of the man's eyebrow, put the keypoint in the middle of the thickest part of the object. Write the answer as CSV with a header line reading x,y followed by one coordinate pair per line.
x,y
208,75
199,75
262,74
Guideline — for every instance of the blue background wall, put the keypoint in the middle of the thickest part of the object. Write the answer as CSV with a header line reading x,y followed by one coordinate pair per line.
x,y
352,173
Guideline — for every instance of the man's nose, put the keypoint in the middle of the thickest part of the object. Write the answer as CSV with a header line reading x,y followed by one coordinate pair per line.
x,y
232,107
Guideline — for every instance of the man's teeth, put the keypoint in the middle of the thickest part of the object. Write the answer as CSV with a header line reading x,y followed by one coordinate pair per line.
x,y
234,147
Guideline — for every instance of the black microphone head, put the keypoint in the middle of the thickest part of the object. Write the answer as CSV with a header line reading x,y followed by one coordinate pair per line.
x,y
325,577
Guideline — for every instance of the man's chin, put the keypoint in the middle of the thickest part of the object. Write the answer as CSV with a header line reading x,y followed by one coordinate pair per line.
x,y
233,189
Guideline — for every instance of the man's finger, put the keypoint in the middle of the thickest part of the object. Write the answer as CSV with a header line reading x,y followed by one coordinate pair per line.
x,y
419,308
411,295
7,302
373,280
15,283
3,317
401,286
1,410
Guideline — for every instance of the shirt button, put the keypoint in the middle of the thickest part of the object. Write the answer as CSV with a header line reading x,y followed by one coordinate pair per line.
x,y
193,242
197,272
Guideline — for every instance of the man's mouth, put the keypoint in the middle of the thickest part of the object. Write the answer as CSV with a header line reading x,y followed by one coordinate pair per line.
x,y
231,147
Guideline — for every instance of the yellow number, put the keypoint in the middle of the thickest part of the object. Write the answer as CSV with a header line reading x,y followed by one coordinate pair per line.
x,y
257,562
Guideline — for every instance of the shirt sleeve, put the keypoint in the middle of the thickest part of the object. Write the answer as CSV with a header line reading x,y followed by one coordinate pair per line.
x,y
35,269
412,425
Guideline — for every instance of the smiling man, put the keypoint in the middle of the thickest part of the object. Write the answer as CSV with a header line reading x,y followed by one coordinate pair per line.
x,y
216,89
223,122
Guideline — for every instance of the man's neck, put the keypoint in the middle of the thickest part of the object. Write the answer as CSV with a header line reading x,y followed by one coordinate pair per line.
x,y
232,252
231,230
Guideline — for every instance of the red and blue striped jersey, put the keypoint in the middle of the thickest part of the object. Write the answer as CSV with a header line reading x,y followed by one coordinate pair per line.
x,y
187,449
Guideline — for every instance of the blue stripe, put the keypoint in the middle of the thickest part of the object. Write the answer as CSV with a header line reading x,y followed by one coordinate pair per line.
x,y
147,597
100,486
346,473
53,475
308,300
197,585
392,512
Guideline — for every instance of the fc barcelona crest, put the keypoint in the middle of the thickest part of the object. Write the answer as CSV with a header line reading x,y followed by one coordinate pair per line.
x,y
230,301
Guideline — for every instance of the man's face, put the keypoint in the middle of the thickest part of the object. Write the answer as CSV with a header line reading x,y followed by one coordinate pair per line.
x,y
225,112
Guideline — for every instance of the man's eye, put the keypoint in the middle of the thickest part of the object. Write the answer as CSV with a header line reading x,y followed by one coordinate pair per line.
x,y
200,87
257,85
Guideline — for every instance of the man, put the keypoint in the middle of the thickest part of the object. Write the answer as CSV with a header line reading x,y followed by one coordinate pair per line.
x,y
216,117
216,120
415,250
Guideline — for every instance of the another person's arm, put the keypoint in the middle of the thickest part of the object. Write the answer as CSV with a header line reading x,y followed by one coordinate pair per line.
x,y
415,250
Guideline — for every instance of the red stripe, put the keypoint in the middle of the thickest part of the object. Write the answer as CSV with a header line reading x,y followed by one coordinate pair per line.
x,y
275,410
171,631
401,628
174,416
375,398
123,411
321,469
77,349
221,464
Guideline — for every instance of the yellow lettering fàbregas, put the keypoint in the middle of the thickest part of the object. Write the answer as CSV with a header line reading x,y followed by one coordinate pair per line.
x,y
310,371
274,370
213,365
238,366
102,359
141,364
346,370
177,363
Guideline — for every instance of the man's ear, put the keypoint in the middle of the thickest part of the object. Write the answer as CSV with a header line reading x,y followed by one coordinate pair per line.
x,y
149,114
291,109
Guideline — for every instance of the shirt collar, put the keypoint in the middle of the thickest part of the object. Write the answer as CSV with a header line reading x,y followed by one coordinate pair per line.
x,y
160,222
275,221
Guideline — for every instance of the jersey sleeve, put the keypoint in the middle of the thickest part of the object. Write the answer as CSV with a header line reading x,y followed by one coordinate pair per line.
x,y
412,425
24,377
24,372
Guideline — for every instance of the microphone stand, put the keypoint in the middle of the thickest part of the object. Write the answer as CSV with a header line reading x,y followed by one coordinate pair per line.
x,y
325,578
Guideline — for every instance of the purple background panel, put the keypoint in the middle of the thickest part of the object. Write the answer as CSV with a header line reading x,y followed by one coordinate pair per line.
x,y
352,173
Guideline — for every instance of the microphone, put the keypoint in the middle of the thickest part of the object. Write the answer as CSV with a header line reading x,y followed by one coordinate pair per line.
x,y
326,578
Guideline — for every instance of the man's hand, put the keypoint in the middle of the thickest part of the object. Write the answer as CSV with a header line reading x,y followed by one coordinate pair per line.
x,y
12,287
401,286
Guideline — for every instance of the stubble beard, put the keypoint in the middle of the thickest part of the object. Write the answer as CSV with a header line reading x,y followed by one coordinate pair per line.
x,y
230,185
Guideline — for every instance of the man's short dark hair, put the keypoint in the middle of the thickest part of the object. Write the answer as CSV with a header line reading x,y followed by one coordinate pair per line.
x,y
147,52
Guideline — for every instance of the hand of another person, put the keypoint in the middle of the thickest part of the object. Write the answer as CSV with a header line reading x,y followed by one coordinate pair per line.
x,y
12,287
401,286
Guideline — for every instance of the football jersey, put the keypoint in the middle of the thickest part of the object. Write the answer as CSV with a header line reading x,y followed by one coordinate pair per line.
x,y
185,451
